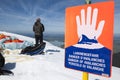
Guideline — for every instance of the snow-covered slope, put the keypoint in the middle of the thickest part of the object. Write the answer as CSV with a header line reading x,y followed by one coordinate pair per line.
x,y
45,67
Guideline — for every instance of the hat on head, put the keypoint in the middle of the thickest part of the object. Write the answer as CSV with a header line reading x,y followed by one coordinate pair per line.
x,y
38,19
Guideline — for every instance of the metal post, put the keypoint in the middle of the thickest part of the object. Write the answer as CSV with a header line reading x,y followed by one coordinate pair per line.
x,y
87,1
85,74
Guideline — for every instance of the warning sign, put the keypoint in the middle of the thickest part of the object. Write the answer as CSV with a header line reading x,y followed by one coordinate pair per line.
x,y
89,38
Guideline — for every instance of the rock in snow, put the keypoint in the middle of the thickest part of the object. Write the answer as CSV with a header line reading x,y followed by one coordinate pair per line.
x,y
45,67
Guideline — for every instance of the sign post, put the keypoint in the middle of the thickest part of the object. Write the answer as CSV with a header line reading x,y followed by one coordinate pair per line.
x,y
85,74
89,38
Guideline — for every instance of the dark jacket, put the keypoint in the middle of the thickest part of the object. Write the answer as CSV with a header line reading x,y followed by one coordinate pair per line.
x,y
38,28
2,61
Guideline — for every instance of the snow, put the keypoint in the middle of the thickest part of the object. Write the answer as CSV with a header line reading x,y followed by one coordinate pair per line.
x,y
45,67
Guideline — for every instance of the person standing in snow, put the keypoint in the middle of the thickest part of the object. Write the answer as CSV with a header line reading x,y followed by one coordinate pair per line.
x,y
38,29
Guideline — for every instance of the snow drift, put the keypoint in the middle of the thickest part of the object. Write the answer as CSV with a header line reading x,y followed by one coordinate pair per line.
x,y
44,67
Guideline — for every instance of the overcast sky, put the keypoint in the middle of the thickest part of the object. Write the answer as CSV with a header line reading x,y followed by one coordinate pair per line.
x,y
20,15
